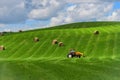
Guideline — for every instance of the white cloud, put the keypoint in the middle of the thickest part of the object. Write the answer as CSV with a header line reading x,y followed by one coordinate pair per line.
x,y
12,11
61,19
82,12
7,30
115,16
57,11
68,20
80,1
56,20
71,8
45,9
2,25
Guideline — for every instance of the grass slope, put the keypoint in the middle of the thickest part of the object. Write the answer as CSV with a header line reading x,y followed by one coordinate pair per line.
x,y
24,59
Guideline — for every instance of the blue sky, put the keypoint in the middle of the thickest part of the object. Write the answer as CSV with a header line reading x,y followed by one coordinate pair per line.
x,y
116,5
31,14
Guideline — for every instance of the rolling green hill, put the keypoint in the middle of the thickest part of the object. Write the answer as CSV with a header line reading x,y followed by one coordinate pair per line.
x,y
25,59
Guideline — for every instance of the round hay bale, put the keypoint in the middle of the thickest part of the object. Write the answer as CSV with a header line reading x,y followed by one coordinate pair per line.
x,y
55,41
20,31
2,48
96,32
60,44
36,39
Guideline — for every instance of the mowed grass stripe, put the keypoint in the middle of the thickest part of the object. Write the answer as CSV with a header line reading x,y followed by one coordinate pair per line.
x,y
89,46
28,46
118,44
8,40
11,48
56,52
84,37
2,42
18,52
47,45
55,47
24,47
60,50
14,42
18,48
101,45
79,38
31,42
71,41
109,44
20,39
32,47
38,51
72,35
115,46
22,51
95,44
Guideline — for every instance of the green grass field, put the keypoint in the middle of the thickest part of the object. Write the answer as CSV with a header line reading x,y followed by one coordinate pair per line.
x,y
25,59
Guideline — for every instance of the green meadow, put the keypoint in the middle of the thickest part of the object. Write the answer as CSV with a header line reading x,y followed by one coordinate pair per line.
x,y
24,59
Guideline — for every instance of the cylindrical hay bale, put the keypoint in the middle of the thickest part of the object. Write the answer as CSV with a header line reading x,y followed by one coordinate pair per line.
x,y
2,48
20,31
96,32
60,44
36,39
55,41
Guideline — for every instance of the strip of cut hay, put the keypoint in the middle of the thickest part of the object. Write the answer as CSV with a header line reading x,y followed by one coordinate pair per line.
x,y
96,32
36,39
2,48
55,41
60,44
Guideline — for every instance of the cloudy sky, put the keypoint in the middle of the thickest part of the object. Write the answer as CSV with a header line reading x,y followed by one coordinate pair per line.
x,y
31,14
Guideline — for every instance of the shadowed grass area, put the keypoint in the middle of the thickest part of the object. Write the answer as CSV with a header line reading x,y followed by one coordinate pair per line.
x,y
60,70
